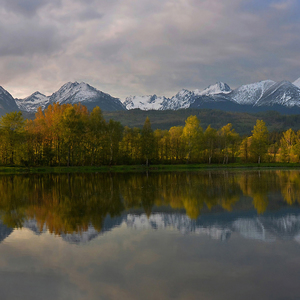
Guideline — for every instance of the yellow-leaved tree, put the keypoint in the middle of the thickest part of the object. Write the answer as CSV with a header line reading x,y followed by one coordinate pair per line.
x,y
193,136
259,141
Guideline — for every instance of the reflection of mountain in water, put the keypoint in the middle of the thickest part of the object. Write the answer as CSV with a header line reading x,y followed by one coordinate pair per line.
x,y
91,233
4,231
270,227
33,226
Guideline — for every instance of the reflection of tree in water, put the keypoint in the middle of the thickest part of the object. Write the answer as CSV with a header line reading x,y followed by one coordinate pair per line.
x,y
65,203
258,185
290,186
72,202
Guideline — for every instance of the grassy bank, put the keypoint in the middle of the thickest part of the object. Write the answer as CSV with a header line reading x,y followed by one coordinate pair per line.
x,y
143,168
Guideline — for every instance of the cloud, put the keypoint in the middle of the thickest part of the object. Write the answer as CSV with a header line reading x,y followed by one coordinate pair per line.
x,y
282,5
136,47
27,7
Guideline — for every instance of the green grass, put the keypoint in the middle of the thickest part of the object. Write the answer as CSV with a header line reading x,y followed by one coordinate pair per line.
x,y
143,168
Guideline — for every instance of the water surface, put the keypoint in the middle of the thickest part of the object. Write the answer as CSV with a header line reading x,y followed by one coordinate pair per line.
x,y
195,235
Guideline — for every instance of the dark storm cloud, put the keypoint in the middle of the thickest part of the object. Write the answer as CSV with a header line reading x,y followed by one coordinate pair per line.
x,y
149,46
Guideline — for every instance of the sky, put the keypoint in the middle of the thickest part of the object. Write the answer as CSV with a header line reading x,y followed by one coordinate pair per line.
x,y
141,47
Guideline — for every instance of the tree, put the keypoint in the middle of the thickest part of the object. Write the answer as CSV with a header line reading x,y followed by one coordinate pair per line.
x,y
13,133
95,134
147,140
210,139
229,140
176,144
245,149
287,142
114,131
73,129
259,141
192,135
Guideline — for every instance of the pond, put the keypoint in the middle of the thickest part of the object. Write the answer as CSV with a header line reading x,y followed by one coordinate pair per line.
x,y
180,235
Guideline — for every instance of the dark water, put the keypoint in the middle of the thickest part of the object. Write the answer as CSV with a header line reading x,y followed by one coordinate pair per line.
x,y
198,235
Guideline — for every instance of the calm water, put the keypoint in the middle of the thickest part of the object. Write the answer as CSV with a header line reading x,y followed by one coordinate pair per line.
x,y
198,235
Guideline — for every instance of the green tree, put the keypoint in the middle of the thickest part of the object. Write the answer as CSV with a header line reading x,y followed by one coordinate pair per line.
x,y
95,135
13,134
73,129
114,131
147,140
176,143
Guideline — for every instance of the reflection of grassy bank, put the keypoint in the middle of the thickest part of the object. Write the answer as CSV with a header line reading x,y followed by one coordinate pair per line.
x,y
141,168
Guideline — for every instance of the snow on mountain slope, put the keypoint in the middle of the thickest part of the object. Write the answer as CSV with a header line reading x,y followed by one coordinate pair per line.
x,y
282,93
73,93
183,99
297,82
31,103
218,88
89,96
144,102
249,94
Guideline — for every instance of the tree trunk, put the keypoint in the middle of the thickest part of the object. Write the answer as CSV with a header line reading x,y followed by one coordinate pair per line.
x,y
69,150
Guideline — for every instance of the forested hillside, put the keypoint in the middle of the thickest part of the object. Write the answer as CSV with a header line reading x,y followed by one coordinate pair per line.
x,y
242,122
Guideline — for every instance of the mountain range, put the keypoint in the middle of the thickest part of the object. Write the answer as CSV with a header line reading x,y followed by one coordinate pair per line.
x,y
282,96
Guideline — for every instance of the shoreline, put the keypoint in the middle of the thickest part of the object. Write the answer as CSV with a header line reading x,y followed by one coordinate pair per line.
x,y
142,168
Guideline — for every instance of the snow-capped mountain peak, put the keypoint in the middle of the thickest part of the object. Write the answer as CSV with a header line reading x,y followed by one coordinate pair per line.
x,y
251,93
148,102
281,93
75,92
217,88
31,103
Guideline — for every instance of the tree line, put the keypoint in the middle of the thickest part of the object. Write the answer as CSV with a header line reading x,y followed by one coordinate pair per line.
x,y
70,135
